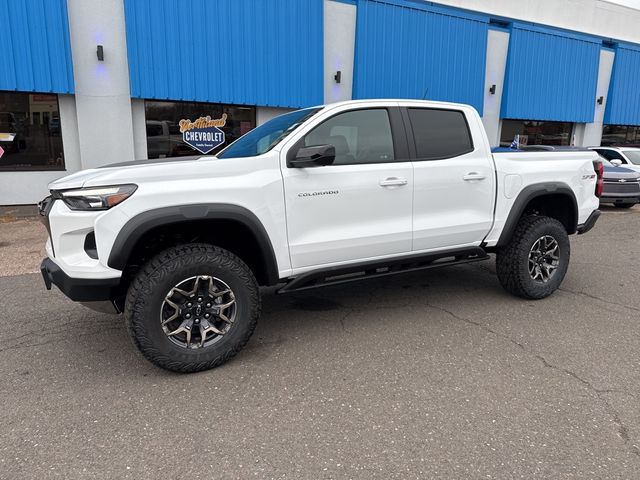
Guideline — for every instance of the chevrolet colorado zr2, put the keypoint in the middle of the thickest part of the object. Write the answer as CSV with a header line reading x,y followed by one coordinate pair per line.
x,y
315,197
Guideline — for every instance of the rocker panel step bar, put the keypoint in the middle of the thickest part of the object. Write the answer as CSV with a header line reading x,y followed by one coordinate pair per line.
x,y
381,268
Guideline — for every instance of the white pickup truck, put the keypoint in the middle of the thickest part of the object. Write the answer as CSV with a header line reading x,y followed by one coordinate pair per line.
x,y
315,197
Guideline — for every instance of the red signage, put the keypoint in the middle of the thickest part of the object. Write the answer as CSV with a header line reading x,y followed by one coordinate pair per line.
x,y
1,152
43,98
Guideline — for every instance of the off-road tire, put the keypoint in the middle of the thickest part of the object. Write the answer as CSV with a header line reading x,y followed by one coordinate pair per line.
x,y
147,292
623,205
512,260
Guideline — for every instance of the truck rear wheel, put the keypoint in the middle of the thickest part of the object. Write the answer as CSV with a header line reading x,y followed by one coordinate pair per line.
x,y
534,262
192,307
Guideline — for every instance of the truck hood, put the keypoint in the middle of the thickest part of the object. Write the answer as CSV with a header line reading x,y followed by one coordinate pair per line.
x,y
617,173
125,172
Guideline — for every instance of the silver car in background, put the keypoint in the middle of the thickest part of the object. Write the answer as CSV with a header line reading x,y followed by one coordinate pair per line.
x,y
628,157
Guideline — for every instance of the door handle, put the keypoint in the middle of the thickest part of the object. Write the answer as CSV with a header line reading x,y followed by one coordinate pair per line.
x,y
471,176
393,182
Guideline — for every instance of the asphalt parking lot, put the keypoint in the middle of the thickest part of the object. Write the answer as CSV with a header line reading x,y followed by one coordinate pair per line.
x,y
439,374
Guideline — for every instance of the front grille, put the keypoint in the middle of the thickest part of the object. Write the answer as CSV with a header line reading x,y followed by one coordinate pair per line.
x,y
621,187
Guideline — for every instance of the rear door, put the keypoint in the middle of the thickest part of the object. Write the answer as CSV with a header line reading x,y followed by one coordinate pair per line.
x,y
454,179
359,207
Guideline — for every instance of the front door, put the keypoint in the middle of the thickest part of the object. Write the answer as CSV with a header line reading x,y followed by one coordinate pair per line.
x,y
360,206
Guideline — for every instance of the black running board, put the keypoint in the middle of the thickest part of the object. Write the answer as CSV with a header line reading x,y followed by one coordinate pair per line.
x,y
381,268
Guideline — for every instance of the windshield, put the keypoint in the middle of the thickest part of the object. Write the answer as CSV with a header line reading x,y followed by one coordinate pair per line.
x,y
263,138
633,156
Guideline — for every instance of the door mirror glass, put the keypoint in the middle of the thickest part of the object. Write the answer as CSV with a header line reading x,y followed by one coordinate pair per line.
x,y
616,162
314,156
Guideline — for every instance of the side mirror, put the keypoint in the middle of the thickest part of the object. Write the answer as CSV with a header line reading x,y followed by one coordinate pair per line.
x,y
616,162
314,156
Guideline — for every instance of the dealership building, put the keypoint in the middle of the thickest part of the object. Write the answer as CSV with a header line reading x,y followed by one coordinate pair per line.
x,y
84,83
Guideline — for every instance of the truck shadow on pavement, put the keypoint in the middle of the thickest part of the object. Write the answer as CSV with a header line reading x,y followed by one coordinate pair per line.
x,y
100,342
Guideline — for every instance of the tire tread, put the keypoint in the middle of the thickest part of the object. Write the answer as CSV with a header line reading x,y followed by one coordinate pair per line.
x,y
154,272
508,257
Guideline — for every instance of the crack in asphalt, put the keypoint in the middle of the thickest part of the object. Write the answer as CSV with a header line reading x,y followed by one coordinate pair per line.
x,y
608,302
623,431
57,340
351,310
344,317
51,330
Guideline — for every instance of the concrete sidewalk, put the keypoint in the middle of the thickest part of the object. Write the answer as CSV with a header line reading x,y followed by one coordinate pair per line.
x,y
21,246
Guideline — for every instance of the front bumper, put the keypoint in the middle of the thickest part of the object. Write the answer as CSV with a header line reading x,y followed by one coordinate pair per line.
x,y
95,293
590,223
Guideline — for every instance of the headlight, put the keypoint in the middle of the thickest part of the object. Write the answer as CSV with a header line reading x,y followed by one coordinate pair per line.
x,y
95,198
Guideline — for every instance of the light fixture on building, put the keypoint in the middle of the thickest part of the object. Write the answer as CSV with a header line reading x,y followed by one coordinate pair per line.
x,y
600,100
100,53
492,89
338,76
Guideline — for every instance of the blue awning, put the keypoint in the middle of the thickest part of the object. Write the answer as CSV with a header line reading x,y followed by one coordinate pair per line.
x,y
623,104
35,53
418,50
551,75
226,51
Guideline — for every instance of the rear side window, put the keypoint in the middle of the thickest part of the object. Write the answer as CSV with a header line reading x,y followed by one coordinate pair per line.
x,y
440,134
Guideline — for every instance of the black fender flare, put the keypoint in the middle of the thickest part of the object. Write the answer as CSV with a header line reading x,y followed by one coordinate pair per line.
x,y
529,193
137,226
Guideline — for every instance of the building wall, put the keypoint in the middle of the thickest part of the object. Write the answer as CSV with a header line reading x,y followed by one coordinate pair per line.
x,y
264,114
138,118
286,56
339,49
597,17
591,133
497,48
103,98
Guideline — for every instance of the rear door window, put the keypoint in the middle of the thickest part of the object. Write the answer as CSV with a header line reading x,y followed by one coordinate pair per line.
x,y
439,134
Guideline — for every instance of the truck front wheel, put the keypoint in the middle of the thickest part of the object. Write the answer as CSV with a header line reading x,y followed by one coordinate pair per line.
x,y
534,262
192,307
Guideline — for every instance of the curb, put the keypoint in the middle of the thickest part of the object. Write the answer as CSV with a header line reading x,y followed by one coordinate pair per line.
x,y
12,213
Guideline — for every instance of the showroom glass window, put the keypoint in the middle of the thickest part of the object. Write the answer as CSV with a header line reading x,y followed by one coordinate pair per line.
x,y
536,133
620,135
163,132
30,132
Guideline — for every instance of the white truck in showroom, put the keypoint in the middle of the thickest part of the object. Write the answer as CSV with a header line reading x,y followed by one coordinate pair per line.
x,y
315,197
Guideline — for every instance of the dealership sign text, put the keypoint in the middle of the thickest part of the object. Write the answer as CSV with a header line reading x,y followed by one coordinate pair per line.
x,y
204,133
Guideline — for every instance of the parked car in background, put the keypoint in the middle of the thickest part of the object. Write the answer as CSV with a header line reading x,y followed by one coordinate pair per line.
x,y
628,157
9,132
621,184
165,140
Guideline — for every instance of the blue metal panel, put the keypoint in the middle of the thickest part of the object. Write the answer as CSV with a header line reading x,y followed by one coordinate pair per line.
x,y
623,104
551,75
35,54
417,50
248,52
